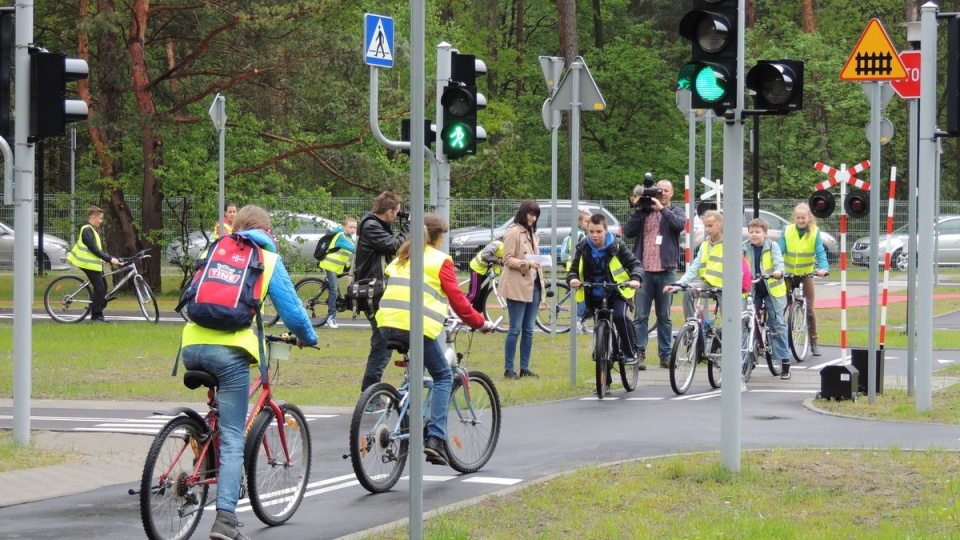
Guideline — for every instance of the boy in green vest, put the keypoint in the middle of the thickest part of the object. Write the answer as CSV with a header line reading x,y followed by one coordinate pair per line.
x,y
342,246
764,258
88,255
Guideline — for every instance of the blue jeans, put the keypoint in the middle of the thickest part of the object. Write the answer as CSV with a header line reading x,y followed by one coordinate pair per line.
x,y
334,291
522,315
775,324
651,293
231,365
436,364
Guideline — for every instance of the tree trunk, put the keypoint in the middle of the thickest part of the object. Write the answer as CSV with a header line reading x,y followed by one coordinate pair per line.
x,y
809,21
570,47
597,26
520,51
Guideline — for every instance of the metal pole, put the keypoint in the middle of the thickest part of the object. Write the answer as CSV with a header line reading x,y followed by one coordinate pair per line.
x,y
574,197
912,143
442,194
756,166
223,143
874,255
692,184
73,184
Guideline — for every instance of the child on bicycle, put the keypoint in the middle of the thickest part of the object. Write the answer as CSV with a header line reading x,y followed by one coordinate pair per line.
x,y
803,253
491,255
337,258
393,320
604,258
764,258
566,255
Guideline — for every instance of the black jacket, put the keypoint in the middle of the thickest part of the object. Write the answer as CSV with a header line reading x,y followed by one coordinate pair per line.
x,y
376,246
672,222
631,264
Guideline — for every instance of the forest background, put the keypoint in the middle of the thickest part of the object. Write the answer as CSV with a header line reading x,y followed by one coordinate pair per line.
x,y
297,94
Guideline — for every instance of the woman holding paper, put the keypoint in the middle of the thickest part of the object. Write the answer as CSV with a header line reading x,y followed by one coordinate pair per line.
x,y
521,284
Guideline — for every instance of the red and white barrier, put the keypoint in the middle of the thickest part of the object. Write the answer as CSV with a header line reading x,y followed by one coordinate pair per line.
x,y
886,261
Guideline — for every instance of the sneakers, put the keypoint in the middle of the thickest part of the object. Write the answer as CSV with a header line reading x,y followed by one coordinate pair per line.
x,y
99,319
510,375
582,328
226,527
785,374
743,385
814,350
528,373
376,406
434,450
665,363
629,361
332,322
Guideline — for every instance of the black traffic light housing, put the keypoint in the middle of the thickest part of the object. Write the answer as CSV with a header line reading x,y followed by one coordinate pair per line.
x,y
822,203
429,133
711,76
778,85
50,111
857,203
460,102
953,77
704,206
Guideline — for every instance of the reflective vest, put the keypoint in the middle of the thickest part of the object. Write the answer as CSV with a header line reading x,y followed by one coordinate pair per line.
x,y
481,266
194,334
619,273
800,256
216,229
336,261
394,309
777,288
81,256
711,267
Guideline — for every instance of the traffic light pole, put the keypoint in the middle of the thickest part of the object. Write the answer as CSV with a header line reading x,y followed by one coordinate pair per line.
x,y
440,189
874,255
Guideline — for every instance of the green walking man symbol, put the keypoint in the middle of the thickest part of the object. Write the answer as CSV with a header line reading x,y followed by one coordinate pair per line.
x,y
458,138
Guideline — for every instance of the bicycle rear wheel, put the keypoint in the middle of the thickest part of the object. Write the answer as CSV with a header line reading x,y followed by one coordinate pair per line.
x,y
473,422
602,346
171,497
379,438
146,299
495,307
313,294
715,364
67,300
797,326
564,313
775,364
748,347
183,312
683,359
278,465
269,312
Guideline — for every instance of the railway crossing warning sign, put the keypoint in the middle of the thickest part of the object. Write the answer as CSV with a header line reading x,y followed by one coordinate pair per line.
x,y
874,58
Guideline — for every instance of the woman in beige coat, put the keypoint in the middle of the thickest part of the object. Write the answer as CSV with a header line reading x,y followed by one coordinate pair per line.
x,y
521,284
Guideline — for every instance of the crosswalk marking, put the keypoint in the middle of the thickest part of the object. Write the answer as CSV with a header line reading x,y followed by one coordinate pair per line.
x,y
150,425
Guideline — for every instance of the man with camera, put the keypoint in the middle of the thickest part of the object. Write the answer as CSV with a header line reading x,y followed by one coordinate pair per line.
x,y
377,244
656,225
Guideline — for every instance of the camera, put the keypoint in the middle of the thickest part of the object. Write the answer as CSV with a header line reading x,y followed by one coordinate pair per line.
x,y
643,195
403,215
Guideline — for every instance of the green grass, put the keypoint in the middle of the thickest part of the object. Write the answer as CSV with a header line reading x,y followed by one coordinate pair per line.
x,y
13,456
897,405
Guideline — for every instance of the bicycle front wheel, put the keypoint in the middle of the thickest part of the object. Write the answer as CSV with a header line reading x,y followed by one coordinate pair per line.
x,y
715,364
313,294
269,312
797,325
277,458
495,307
602,345
146,299
473,422
173,488
68,299
563,314
379,438
683,359
748,347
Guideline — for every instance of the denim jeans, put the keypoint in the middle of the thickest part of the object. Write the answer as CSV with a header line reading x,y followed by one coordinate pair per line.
x,y
231,366
378,358
651,294
436,364
775,324
334,291
522,315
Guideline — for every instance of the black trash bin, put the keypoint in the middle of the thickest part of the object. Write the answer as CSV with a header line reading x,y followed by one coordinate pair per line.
x,y
838,382
859,357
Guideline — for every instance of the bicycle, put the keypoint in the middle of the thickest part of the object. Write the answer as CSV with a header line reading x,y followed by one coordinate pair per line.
x,y
495,306
698,341
606,345
797,314
69,299
314,292
380,426
184,459
756,335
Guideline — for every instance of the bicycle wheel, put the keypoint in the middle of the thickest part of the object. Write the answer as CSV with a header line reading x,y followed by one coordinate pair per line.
x,y
67,300
473,422
269,312
775,364
715,364
183,312
379,438
564,312
629,374
278,464
797,325
602,346
683,359
748,347
313,294
171,497
146,299
495,307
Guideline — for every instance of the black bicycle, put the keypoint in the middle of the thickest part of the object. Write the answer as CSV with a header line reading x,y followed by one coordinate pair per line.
x,y
606,345
314,292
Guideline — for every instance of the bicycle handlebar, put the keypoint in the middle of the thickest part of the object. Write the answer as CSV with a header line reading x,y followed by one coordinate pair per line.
x,y
801,277
708,291
127,261
604,285
285,337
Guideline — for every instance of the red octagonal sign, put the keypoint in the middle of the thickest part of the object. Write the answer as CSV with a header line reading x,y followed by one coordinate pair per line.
x,y
909,88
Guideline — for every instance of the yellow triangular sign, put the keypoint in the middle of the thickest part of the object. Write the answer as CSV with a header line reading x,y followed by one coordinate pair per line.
x,y
874,58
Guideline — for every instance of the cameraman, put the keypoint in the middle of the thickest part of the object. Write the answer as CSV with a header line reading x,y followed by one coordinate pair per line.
x,y
377,245
656,225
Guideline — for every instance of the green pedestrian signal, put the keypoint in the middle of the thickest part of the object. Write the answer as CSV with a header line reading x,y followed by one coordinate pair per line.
x,y
457,138
711,85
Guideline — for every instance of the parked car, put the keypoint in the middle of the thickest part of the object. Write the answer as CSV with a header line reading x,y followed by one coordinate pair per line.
x,y
777,226
54,250
466,242
946,231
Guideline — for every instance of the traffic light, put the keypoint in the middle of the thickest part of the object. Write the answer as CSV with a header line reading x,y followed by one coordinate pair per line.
x,y
822,203
711,76
50,111
953,76
429,133
778,85
857,203
704,206
461,101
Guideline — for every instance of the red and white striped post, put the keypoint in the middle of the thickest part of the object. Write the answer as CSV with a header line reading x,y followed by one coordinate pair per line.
x,y
686,209
886,261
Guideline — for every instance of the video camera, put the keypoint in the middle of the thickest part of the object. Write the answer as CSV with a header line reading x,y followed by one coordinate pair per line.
x,y
403,215
643,195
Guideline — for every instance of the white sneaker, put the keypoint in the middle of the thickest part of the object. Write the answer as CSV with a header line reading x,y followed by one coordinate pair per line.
x,y
332,323
743,386
582,328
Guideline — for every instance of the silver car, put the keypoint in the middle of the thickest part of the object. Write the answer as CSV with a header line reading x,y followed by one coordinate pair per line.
x,y
54,250
946,231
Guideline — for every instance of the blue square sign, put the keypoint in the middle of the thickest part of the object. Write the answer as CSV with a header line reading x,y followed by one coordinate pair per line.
x,y
378,40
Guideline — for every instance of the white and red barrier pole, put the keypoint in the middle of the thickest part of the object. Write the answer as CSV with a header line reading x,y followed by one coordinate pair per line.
x,y
686,209
843,272
886,262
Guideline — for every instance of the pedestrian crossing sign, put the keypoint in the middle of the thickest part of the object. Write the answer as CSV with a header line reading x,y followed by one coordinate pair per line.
x,y
378,40
874,58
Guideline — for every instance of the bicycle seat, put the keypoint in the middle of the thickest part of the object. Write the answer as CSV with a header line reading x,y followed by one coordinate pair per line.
x,y
195,379
402,346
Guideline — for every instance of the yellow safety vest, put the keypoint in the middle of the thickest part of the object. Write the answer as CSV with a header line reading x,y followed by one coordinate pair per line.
x,y
777,288
711,267
247,339
216,229
619,273
481,266
81,256
336,261
394,309
800,257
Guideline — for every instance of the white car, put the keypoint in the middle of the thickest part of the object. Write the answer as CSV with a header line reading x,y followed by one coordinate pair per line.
x,y
54,250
